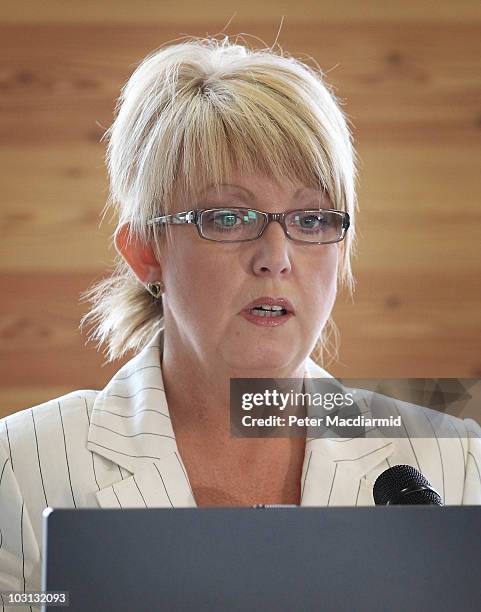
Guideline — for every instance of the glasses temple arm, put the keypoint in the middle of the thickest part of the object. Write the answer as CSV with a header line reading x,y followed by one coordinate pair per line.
x,y
176,219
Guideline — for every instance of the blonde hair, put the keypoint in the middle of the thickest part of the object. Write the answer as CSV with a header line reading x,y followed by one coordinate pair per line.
x,y
203,109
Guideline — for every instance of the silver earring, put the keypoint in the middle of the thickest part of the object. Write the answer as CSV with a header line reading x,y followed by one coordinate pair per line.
x,y
155,289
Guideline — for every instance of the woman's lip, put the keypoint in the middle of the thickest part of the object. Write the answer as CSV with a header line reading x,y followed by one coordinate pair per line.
x,y
266,321
269,301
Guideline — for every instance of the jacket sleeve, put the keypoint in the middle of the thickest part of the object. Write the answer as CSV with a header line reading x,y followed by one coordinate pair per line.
x,y
472,483
19,549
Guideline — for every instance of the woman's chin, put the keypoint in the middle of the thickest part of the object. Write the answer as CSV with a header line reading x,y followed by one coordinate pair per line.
x,y
258,358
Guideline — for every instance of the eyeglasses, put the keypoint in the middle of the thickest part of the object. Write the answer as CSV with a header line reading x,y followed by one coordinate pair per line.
x,y
234,224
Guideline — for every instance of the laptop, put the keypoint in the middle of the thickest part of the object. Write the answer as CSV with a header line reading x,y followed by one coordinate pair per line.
x,y
265,559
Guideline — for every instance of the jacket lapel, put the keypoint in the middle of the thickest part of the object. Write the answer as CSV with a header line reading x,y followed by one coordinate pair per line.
x,y
335,468
159,484
130,425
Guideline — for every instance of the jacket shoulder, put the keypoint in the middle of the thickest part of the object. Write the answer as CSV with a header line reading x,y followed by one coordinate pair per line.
x,y
416,419
17,424
432,421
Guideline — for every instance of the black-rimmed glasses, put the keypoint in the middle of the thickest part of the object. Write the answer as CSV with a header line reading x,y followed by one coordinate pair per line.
x,y
235,224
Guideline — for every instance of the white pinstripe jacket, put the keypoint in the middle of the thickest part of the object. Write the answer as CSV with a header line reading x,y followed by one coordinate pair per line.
x,y
116,448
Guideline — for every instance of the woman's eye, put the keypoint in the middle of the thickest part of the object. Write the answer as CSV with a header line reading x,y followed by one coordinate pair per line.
x,y
311,222
227,221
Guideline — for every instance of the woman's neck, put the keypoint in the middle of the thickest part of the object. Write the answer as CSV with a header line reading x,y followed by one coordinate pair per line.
x,y
198,392
223,469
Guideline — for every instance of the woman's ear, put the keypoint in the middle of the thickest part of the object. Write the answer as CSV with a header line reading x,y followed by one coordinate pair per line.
x,y
139,255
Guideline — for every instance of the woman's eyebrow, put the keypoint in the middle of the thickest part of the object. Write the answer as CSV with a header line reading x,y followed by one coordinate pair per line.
x,y
310,191
249,193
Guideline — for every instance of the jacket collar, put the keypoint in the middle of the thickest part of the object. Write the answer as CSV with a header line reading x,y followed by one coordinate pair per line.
x,y
131,426
334,466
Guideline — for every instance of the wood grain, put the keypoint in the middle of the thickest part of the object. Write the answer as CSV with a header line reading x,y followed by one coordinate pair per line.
x,y
216,14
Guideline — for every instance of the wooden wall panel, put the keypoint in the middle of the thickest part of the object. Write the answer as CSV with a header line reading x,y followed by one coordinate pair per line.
x,y
409,77
213,12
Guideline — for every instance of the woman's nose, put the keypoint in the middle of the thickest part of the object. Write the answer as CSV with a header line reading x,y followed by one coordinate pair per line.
x,y
271,257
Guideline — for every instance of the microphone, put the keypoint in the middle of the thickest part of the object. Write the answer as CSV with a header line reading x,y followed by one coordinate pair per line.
x,y
403,484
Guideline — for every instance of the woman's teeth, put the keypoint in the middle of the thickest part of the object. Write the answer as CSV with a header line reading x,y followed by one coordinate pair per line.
x,y
268,313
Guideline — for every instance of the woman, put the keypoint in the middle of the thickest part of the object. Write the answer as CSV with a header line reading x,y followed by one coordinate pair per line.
x,y
232,173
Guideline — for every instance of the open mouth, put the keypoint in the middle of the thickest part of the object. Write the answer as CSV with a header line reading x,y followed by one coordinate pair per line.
x,y
267,317
274,311
268,311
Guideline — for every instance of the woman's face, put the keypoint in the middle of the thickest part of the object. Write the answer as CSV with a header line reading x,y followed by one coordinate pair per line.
x,y
208,284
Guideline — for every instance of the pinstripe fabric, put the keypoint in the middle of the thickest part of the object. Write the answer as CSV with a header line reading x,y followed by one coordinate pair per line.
x,y
116,448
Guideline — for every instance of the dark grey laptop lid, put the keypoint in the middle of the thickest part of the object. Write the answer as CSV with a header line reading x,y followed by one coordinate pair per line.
x,y
381,558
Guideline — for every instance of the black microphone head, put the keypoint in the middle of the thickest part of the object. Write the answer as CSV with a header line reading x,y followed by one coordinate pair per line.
x,y
403,484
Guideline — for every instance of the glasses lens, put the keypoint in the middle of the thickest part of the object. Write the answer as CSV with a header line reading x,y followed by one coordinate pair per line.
x,y
231,224
315,225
